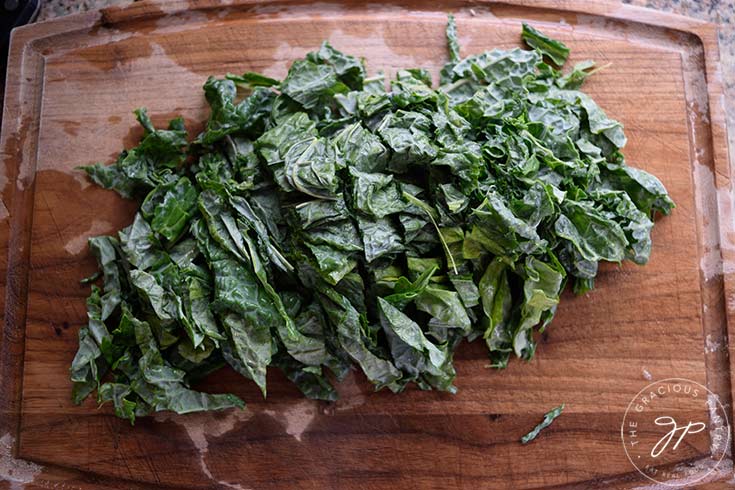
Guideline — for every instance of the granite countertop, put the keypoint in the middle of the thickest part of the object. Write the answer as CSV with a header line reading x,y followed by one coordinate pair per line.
x,y
720,12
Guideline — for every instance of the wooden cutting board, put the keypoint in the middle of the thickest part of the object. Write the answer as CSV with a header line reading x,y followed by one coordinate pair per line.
x,y
72,84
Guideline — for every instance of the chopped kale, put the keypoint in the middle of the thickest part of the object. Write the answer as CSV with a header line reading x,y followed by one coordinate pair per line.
x,y
322,222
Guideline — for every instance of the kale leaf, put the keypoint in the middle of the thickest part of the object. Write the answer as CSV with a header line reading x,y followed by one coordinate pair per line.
x,y
549,417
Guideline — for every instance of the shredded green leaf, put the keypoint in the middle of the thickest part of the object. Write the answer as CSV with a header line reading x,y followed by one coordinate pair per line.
x,y
556,50
452,41
549,417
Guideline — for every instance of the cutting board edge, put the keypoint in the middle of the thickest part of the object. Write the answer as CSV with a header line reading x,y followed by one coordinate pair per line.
x,y
26,59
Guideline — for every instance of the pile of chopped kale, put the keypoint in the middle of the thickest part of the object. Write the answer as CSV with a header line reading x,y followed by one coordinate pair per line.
x,y
321,222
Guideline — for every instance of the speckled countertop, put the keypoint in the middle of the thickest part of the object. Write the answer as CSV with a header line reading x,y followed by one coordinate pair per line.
x,y
56,8
721,12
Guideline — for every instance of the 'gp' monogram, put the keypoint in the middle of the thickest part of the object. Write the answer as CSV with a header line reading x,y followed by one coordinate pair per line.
x,y
662,444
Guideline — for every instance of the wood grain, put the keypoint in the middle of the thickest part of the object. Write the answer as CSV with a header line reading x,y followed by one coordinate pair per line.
x,y
72,84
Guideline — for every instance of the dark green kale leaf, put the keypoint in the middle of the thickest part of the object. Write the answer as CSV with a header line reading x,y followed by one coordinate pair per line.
x,y
163,387
169,207
251,79
106,251
411,350
311,83
350,327
361,150
556,50
247,117
452,41
152,162
89,365
548,419
349,69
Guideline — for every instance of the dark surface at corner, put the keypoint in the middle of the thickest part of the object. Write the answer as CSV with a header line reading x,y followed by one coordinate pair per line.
x,y
13,13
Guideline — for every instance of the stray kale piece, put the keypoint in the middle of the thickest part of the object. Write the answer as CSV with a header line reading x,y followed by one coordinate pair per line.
x,y
556,50
550,416
323,223
452,41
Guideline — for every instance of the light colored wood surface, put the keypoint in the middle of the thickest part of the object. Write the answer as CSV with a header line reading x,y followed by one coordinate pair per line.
x,y
72,84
